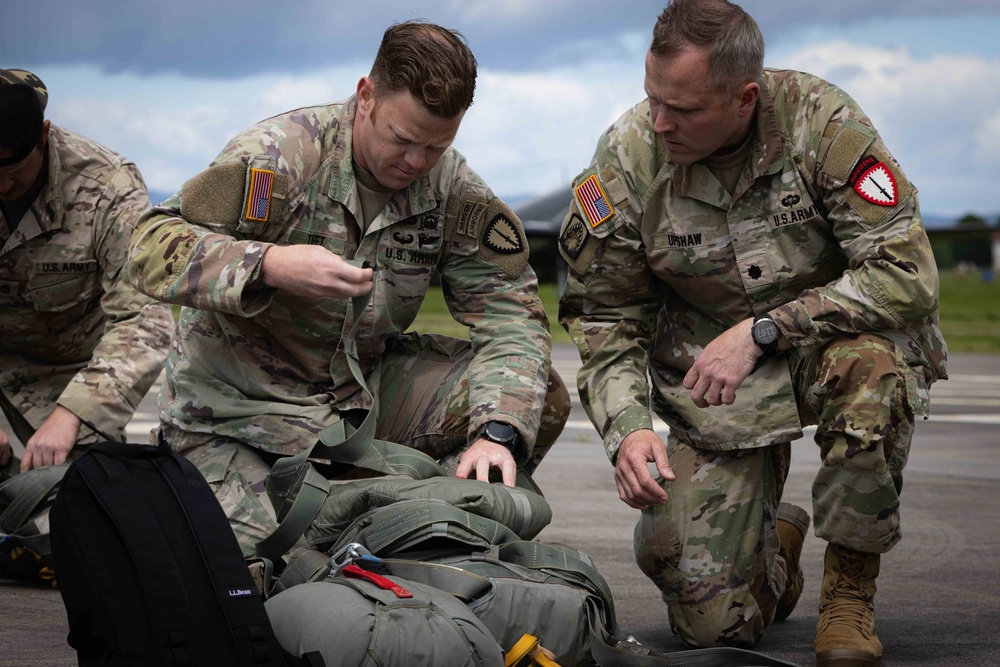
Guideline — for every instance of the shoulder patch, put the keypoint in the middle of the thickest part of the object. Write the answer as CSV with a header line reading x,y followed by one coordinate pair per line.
x,y
593,201
503,236
259,184
875,182
470,216
574,236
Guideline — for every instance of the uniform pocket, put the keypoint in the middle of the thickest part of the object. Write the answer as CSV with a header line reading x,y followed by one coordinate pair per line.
x,y
57,291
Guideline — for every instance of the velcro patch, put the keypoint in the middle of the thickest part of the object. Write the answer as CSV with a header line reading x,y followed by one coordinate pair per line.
x,y
593,201
875,182
258,202
849,144
502,235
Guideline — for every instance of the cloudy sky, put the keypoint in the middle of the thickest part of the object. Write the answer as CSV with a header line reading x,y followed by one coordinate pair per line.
x,y
168,83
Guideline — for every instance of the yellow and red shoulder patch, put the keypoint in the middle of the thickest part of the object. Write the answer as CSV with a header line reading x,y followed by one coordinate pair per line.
x,y
595,204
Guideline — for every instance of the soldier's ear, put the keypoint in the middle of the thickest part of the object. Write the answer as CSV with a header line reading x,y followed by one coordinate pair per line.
x,y
365,96
747,97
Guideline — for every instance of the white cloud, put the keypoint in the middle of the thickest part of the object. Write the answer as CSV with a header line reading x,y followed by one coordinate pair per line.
x,y
987,140
528,133
170,126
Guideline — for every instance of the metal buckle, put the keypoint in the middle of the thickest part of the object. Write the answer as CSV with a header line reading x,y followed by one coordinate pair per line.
x,y
347,555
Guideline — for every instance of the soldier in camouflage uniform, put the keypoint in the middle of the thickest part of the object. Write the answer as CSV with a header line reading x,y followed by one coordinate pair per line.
x,y
79,348
303,211
747,256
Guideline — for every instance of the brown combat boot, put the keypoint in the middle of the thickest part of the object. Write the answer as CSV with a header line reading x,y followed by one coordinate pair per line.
x,y
793,522
845,631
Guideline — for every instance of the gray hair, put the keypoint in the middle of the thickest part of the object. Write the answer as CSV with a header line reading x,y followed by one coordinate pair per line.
x,y
733,39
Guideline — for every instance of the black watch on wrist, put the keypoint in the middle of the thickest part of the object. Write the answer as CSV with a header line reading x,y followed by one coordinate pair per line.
x,y
500,433
765,334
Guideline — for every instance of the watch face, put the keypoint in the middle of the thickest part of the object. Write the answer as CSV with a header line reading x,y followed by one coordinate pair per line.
x,y
499,432
765,332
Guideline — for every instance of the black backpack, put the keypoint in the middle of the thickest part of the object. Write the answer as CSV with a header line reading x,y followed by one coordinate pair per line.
x,y
149,568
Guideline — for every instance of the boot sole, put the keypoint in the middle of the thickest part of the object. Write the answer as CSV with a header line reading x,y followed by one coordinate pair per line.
x,y
845,657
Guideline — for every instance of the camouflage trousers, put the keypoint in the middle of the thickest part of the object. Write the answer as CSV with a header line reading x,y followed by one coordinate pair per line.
x,y
423,403
712,549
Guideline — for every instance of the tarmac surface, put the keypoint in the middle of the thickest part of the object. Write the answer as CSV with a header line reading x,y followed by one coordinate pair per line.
x,y
938,601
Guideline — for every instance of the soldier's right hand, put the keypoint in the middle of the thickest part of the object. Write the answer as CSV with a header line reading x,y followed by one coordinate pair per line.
x,y
636,486
313,271
4,448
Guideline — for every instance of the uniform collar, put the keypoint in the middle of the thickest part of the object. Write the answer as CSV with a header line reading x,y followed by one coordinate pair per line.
x,y
769,145
697,181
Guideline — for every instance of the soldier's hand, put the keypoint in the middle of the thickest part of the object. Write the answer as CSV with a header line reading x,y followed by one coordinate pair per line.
x,y
722,366
483,455
4,448
313,271
53,442
636,486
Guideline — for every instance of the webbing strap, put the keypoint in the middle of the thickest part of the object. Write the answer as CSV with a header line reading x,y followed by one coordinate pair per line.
x,y
29,490
410,517
22,429
464,585
312,493
541,556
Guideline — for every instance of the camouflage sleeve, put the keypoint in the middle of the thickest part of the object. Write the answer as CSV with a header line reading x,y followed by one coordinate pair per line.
x,y
197,248
892,277
611,300
490,288
132,350
177,261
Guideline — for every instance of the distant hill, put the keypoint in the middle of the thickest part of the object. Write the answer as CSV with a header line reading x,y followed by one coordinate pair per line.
x,y
932,221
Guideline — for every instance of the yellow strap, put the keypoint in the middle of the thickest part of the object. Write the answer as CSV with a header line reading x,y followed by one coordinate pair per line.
x,y
527,647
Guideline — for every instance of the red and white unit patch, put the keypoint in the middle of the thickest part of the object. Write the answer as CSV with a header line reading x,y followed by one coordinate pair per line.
x,y
873,180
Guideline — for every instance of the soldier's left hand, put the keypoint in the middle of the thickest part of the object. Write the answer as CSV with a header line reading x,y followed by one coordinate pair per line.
x,y
723,366
53,442
484,455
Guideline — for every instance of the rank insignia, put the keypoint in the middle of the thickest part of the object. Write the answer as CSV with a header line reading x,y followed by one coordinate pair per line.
x,y
873,180
502,236
593,200
259,194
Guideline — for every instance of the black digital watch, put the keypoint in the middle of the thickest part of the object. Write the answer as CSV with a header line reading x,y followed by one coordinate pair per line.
x,y
500,433
765,334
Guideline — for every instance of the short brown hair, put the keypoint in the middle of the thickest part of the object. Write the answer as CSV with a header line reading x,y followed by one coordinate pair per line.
x,y
733,39
433,63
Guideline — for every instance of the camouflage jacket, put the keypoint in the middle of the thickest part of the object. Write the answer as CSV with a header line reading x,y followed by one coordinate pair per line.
x,y
823,232
61,302
267,367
